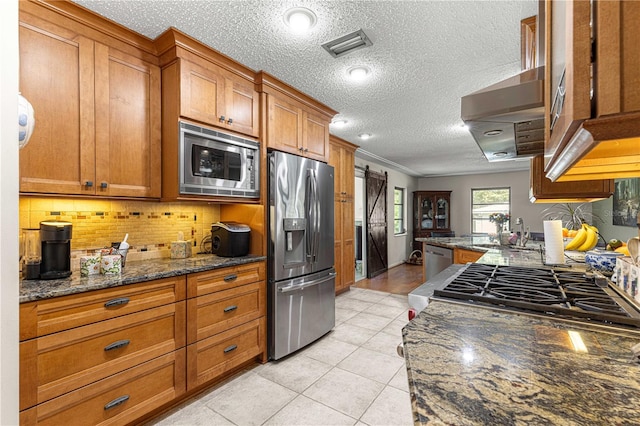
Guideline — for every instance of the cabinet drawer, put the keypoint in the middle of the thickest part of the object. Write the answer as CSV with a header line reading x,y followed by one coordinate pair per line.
x,y
216,312
208,282
62,362
212,357
63,313
119,399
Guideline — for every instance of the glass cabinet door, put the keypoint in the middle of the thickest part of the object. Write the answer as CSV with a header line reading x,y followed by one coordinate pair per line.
x,y
441,213
426,213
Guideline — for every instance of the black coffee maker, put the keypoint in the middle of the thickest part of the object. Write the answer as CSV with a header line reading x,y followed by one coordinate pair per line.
x,y
55,240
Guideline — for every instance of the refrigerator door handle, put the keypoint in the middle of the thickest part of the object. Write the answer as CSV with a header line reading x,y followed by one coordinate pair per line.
x,y
316,218
329,277
310,234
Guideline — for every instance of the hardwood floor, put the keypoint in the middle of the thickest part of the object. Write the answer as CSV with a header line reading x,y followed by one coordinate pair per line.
x,y
401,279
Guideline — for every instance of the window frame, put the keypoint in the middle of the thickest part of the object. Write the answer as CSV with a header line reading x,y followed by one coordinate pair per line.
x,y
473,220
403,204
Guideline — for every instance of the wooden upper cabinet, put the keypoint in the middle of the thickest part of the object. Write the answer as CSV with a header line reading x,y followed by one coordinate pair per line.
x,y
315,136
127,125
97,110
203,85
212,96
293,122
568,69
201,93
284,125
57,77
593,101
542,190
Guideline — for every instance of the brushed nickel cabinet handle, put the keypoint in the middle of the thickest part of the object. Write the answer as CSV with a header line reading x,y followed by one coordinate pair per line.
x,y
104,185
222,118
116,302
88,184
231,277
230,121
117,345
230,348
230,308
119,400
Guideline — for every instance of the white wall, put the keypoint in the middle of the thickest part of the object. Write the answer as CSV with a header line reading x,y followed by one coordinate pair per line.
x,y
9,213
604,210
398,246
461,197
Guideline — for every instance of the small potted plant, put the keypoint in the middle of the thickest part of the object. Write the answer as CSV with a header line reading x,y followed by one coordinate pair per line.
x,y
499,219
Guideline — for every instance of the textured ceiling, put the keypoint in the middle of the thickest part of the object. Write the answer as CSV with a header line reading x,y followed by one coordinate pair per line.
x,y
425,56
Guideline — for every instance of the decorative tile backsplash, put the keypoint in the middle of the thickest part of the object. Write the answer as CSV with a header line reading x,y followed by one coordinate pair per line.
x,y
151,226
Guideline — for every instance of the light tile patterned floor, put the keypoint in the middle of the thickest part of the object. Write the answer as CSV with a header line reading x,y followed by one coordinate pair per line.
x,y
351,376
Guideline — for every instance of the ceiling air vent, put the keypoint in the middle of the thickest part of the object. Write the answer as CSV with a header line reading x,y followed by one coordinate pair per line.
x,y
347,43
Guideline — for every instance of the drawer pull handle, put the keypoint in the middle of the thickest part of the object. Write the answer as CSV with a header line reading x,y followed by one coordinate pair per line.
x,y
119,400
230,277
117,345
230,348
230,308
117,302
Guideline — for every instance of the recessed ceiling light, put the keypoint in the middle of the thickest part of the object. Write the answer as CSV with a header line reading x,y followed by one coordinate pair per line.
x,y
339,123
300,19
493,132
364,136
358,73
500,154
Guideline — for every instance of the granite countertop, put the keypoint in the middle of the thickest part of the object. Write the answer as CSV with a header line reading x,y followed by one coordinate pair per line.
x,y
476,366
495,254
134,272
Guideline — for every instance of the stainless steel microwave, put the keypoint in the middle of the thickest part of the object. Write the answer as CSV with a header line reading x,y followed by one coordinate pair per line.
x,y
220,164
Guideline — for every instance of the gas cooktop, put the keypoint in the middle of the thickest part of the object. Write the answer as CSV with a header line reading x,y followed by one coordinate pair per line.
x,y
566,294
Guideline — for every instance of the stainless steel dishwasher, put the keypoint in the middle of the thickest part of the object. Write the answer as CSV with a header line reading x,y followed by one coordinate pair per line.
x,y
436,259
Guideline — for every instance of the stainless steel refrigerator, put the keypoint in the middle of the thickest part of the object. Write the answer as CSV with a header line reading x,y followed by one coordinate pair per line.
x,y
301,284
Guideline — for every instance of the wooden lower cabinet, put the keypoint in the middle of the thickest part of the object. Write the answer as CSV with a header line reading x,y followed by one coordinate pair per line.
x,y
113,356
118,399
210,358
77,357
226,321
465,256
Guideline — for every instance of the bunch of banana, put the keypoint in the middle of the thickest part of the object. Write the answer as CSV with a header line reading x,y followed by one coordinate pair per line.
x,y
585,240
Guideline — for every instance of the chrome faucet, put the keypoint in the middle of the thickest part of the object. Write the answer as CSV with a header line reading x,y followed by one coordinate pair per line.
x,y
524,236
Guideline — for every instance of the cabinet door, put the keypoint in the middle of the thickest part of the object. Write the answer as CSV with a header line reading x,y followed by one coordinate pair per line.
x,y
57,77
569,63
315,137
441,206
348,246
284,125
426,212
337,237
201,93
127,125
241,107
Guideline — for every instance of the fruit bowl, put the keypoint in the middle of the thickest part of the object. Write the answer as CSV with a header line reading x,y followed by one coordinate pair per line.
x,y
602,260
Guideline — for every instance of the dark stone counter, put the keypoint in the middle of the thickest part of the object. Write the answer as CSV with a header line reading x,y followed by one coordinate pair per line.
x,y
134,272
476,366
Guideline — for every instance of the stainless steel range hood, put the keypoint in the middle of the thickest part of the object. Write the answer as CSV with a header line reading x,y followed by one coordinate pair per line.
x,y
507,118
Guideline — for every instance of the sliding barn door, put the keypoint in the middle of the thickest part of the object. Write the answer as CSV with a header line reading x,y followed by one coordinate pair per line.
x,y
376,208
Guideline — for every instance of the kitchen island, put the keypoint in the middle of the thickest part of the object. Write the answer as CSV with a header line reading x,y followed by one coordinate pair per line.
x,y
471,364
477,366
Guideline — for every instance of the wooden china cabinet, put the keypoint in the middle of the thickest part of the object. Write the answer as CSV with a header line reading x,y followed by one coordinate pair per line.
x,y
431,213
